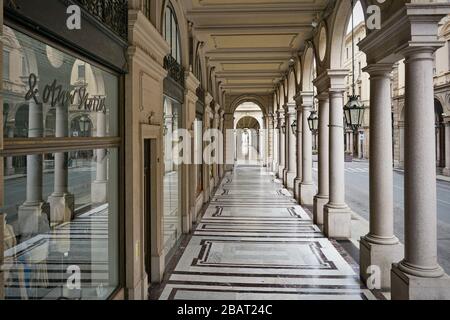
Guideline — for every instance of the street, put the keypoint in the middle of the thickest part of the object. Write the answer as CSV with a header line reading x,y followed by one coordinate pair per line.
x,y
357,197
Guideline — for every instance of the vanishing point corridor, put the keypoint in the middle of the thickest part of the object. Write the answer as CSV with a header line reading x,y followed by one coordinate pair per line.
x,y
255,242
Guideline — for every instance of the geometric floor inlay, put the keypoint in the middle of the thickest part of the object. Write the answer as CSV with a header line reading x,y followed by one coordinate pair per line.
x,y
255,242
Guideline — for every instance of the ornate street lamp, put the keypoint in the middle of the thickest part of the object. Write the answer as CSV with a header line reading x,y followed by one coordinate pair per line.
x,y
313,122
294,127
84,126
354,109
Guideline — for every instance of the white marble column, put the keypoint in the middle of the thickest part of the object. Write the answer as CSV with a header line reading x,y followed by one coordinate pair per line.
x,y
322,197
99,186
31,212
229,141
447,147
307,189
380,247
270,142
419,275
281,145
61,201
221,150
337,215
291,146
276,135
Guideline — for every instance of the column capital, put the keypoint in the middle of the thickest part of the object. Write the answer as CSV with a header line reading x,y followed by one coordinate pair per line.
x,y
289,108
379,70
304,99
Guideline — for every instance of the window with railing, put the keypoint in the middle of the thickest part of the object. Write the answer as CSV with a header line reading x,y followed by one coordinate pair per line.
x,y
113,13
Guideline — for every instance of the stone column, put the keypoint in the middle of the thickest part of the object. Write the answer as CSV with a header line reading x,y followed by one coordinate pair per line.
x,y
419,275
402,144
275,149
307,189
229,141
291,146
99,190
380,247
281,146
221,158
322,197
447,147
337,215
206,173
270,142
61,201
31,213
299,148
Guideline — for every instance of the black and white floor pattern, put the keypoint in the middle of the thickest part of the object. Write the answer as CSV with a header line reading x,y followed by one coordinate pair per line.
x,y
255,243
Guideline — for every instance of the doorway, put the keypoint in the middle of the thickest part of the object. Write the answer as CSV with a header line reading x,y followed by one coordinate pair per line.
x,y
149,201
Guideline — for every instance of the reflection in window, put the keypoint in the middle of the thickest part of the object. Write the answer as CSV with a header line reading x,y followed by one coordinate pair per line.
x,y
172,178
60,216
94,92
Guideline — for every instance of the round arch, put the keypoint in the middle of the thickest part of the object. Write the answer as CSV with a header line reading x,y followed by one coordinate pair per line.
x,y
308,69
248,98
336,36
292,86
248,122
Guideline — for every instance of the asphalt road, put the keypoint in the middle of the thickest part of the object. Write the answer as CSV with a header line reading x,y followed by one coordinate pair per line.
x,y
357,196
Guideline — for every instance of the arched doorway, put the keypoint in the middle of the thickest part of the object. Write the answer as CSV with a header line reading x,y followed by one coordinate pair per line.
x,y
249,146
440,134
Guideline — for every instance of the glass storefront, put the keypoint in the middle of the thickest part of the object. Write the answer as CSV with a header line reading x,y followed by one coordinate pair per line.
x,y
172,177
60,210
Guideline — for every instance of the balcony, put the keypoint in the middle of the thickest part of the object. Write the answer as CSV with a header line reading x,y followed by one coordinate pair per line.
x,y
175,70
112,13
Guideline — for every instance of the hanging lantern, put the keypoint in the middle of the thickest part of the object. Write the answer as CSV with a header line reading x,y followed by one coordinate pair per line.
x,y
294,127
354,109
313,122
354,113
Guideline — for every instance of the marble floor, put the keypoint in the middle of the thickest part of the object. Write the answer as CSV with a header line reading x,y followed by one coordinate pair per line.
x,y
255,242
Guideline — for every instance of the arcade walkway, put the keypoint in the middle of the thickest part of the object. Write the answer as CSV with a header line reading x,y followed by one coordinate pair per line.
x,y
255,243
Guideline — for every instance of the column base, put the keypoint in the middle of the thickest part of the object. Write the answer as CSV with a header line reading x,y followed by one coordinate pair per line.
x,y
408,287
297,183
280,172
33,219
290,177
99,191
381,256
284,177
186,222
446,172
61,208
157,269
319,208
337,222
307,192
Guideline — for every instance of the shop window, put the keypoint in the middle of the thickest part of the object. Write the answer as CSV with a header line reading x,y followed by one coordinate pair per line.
x,y
60,214
172,177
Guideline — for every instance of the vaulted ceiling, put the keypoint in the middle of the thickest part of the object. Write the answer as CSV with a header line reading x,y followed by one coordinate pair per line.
x,y
250,42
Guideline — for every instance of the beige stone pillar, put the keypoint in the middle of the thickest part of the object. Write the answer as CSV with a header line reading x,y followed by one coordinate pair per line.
x,y
337,215
208,116
291,147
221,146
299,147
100,185
307,189
281,145
229,141
380,247
275,145
322,197
447,147
419,275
